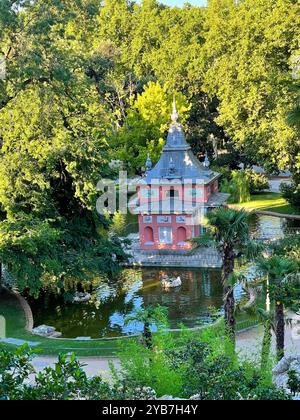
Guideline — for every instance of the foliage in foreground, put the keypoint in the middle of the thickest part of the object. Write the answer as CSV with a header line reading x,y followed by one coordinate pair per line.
x,y
190,364
202,364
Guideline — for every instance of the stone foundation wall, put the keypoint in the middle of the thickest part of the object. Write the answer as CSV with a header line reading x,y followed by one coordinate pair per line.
x,y
202,258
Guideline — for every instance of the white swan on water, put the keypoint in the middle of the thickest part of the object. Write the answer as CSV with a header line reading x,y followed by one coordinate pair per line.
x,y
169,283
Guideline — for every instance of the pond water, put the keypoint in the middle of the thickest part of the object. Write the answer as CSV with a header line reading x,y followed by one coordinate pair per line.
x,y
272,227
105,315
117,299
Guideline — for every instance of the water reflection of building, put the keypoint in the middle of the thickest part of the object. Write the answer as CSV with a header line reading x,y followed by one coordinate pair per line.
x,y
200,290
134,290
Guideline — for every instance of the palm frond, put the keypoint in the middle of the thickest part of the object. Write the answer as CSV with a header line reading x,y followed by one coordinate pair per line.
x,y
278,269
229,225
204,241
253,249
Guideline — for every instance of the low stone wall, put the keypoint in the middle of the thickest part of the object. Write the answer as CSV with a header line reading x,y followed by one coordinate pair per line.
x,y
266,213
201,258
274,214
27,310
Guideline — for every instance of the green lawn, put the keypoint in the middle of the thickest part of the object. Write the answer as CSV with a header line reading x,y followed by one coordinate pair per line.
x,y
11,310
269,202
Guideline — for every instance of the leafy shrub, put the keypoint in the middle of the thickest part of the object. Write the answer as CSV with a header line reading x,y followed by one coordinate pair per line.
x,y
194,364
258,182
67,381
238,187
118,224
291,193
288,247
294,382
143,367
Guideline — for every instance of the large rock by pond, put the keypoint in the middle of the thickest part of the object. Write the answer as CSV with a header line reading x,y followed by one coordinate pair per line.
x,y
46,331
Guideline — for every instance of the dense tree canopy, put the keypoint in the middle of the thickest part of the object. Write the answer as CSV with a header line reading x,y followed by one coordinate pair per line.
x,y
88,82
247,63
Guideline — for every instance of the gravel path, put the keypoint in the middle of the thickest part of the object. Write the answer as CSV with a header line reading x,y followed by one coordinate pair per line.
x,y
249,343
93,366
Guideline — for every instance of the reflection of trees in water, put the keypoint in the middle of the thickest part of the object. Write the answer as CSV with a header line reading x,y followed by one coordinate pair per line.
x,y
132,290
200,290
85,319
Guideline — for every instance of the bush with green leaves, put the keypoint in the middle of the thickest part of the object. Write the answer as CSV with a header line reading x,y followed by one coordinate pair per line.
x,y
117,224
201,364
288,247
258,182
14,370
294,382
66,381
238,187
291,193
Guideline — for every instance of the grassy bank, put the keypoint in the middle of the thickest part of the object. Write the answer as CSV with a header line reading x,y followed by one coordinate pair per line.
x,y
271,202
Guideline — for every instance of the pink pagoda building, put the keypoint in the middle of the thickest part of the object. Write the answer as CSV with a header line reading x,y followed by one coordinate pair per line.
x,y
175,195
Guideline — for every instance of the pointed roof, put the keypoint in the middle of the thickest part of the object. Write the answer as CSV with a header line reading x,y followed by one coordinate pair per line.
x,y
177,161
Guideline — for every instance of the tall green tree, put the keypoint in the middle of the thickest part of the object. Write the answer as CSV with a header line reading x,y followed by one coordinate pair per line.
x,y
53,149
246,62
145,126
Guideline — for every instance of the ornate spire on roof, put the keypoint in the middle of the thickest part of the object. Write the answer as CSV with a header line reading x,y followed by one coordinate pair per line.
x,y
175,114
148,164
206,161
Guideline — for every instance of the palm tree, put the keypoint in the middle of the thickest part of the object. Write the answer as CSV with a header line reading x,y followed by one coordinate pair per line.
x,y
269,326
153,315
228,230
269,323
281,274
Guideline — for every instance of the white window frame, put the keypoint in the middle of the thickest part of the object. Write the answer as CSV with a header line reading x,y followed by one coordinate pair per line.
x,y
163,237
168,194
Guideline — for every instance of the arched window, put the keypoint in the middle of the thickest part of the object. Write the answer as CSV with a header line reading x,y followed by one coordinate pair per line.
x,y
148,236
181,236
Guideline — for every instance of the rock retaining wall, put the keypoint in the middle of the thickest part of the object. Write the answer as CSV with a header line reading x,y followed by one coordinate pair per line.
x,y
27,310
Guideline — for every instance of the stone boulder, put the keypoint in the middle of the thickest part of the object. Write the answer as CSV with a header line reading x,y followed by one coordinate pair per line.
x,y
45,331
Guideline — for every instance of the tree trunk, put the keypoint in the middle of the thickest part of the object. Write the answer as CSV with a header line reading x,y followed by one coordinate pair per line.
x,y
279,322
229,312
266,345
147,334
229,302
